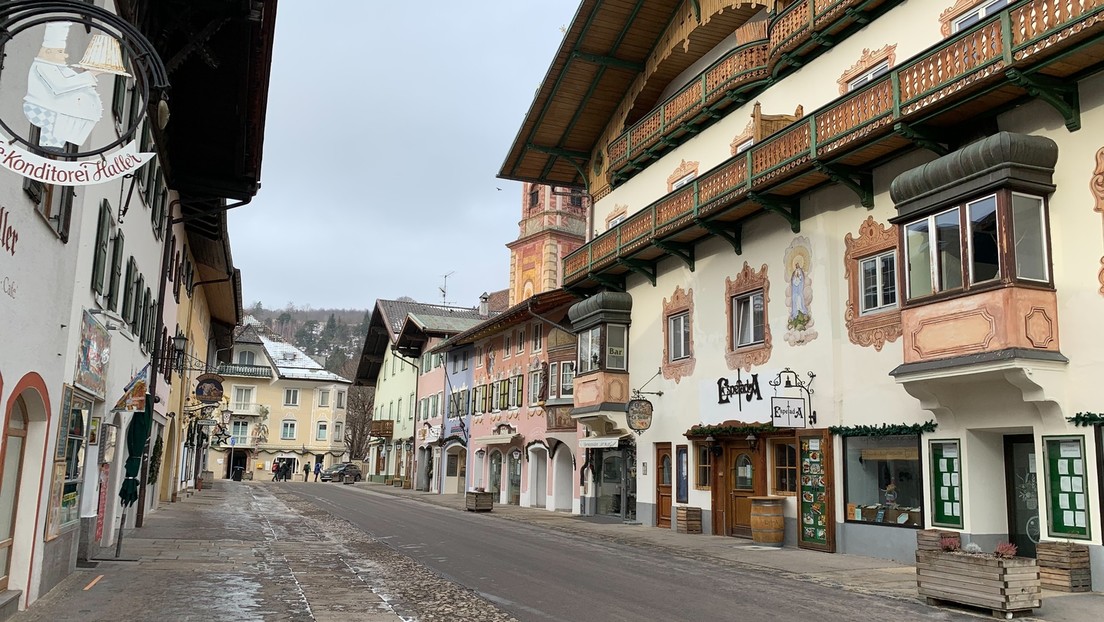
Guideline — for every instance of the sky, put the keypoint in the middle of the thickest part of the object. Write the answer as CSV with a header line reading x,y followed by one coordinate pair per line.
x,y
387,125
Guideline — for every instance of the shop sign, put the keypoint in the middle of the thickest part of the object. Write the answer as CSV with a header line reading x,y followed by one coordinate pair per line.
x,y
62,103
599,442
788,412
209,388
639,414
747,389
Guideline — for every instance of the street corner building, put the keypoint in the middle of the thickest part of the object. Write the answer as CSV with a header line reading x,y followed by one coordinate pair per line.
x,y
841,271
118,283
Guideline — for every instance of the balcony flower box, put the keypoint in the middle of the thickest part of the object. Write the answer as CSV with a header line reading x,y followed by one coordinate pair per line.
x,y
1004,586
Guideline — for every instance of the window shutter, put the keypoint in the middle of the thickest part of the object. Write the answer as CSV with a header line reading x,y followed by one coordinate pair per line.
x,y
128,291
103,234
116,272
136,313
519,389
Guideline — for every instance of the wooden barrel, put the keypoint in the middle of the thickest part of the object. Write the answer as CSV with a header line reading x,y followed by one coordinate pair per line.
x,y
767,525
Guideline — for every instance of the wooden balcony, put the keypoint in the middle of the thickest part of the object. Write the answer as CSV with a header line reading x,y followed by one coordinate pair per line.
x,y
383,429
1034,48
773,48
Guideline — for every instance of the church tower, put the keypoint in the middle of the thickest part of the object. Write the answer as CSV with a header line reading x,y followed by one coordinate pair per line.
x,y
553,224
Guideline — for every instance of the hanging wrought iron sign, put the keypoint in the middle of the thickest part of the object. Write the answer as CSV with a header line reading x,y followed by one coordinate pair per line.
x,y
639,415
62,103
209,388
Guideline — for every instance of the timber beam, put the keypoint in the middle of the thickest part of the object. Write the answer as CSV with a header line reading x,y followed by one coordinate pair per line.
x,y
685,252
922,137
646,269
731,232
1060,94
786,208
859,182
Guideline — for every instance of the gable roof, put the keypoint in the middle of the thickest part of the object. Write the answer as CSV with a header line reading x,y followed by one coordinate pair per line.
x,y
534,306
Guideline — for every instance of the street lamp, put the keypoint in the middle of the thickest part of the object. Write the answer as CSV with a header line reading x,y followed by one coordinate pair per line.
x,y
227,414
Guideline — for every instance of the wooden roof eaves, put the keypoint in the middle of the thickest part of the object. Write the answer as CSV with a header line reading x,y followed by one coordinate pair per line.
x,y
560,66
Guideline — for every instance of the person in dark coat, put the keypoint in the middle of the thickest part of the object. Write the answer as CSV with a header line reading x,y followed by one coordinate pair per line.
x,y
306,471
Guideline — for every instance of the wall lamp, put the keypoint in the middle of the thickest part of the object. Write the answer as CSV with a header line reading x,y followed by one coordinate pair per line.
x,y
752,440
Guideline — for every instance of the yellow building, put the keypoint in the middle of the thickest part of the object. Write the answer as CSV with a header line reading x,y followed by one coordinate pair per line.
x,y
285,408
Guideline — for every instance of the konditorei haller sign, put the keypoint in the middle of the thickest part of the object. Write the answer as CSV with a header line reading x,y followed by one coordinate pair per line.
x,y
62,103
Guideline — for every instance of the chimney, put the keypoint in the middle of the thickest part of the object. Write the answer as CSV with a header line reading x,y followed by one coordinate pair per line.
x,y
483,311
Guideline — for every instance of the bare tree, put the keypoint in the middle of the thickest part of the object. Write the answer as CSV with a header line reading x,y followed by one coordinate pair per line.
x,y
358,421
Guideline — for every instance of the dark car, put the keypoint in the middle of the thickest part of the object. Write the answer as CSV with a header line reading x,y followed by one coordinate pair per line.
x,y
337,472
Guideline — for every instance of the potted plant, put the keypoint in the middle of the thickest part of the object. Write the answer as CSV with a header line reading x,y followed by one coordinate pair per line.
x,y
999,581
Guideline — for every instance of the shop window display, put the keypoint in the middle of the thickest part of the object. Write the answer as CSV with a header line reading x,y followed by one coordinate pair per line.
x,y
882,480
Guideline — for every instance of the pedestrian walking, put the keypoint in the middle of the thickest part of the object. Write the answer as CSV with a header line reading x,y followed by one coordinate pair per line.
x,y
275,470
306,471
317,470
285,472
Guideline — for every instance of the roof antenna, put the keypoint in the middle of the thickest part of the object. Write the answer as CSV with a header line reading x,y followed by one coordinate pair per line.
x,y
444,289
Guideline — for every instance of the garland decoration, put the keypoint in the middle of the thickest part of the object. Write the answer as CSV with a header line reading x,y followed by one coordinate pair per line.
x,y
155,461
1086,420
741,431
897,429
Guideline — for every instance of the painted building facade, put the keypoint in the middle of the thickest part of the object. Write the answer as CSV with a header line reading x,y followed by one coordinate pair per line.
x,y
851,263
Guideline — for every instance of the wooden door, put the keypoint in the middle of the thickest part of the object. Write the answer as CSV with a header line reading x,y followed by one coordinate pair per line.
x,y
11,472
665,474
745,478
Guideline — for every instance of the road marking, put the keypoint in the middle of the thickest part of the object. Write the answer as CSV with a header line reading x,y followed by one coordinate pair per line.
x,y
93,583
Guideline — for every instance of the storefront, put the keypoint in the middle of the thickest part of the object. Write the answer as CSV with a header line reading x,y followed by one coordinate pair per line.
x,y
610,472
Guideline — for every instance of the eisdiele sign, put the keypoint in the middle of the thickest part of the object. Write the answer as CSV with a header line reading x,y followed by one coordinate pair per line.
x,y
50,139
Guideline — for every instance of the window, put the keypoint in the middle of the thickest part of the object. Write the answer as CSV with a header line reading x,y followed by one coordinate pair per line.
x,y
553,380
515,392
243,399
494,396
678,335
744,146
74,438
504,394
337,437
323,428
682,181
575,199
239,432
323,398
567,378
879,282
616,337
410,415
55,203
291,397
868,76
287,430
785,468
704,471
340,399
479,356
506,347
538,337
963,247
431,409
589,349
127,311
534,196
748,311
103,236
743,474
464,360
534,386
616,220
427,362
882,480
116,281
245,357
978,13
455,362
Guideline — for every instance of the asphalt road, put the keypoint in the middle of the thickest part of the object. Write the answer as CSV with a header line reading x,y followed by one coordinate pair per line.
x,y
541,575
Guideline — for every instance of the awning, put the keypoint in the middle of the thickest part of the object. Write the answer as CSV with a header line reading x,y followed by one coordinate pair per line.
x,y
496,439
592,442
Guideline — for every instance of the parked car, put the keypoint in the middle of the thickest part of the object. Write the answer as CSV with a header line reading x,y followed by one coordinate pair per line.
x,y
337,472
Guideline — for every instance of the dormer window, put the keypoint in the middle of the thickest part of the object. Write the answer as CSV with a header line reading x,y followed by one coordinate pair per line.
x,y
245,357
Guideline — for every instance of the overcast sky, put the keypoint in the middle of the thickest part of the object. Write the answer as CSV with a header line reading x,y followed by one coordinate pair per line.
x,y
387,124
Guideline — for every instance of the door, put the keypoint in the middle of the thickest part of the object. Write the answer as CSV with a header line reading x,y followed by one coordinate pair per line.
x,y
1022,482
11,466
745,479
664,476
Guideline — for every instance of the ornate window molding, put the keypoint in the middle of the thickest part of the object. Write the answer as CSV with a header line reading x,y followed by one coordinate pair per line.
x,y
948,17
866,62
619,212
872,329
747,280
682,301
681,171
743,137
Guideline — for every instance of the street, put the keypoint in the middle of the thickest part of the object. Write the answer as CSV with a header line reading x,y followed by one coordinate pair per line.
x,y
537,574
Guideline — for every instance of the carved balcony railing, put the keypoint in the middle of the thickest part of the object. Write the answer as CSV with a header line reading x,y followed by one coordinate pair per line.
x,y
988,60
773,47
250,371
384,429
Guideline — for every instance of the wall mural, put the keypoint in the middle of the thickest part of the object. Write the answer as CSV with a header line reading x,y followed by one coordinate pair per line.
x,y
799,293
1096,186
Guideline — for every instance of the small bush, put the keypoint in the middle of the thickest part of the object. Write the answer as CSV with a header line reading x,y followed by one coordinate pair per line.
x,y
1005,550
972,548
950,544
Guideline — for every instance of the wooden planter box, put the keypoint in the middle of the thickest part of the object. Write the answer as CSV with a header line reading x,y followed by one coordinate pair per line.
x,y
408,484
479,501
1064,566
388,481
688,519
1004,586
